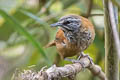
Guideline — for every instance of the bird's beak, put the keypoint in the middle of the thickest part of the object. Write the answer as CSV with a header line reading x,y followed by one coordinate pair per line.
x,y
56,24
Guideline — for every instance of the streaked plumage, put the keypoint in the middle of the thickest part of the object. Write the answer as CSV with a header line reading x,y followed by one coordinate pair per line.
x,y
74,35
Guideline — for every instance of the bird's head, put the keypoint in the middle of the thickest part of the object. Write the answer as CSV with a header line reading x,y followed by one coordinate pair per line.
x,y
69,22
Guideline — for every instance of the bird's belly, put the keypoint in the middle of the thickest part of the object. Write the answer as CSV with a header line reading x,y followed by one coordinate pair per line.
x,y
68,50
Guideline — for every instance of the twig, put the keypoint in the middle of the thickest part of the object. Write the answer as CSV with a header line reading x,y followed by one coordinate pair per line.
x,y
69,70
90,5
96,15
46,7
89,8
47,18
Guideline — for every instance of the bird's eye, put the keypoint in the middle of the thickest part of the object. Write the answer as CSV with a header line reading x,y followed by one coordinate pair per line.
x,y
66,22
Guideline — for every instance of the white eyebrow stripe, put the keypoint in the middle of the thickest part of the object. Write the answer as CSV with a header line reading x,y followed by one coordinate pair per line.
x,y
73,19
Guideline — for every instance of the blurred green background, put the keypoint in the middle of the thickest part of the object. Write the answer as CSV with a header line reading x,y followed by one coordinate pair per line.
x,y
25,30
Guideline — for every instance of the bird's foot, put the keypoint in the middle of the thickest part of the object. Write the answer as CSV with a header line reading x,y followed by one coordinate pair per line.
x,y
82,55
85,55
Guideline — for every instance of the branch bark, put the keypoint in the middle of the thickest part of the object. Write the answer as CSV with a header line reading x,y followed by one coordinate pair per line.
x,y
69,70
111,41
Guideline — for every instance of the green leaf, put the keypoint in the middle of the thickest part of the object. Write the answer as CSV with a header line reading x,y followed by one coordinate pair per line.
x,y
36,18
24,32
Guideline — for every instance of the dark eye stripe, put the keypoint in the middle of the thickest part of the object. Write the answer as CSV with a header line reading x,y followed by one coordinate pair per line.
x,y
66,22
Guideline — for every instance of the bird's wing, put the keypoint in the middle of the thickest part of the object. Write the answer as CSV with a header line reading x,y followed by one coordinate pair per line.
x,y
86,23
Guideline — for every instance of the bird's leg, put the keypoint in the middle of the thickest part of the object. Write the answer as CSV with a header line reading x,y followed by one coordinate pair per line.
x,y
80,56
85,55
78,60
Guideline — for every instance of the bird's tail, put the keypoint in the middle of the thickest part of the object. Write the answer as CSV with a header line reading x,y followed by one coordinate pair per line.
x,y
52,43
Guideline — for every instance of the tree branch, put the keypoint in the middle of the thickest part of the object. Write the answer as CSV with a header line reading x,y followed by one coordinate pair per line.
x,y
69,70
112,44
114,24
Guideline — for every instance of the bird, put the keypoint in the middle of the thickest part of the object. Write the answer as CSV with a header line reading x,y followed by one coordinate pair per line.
x,y
75,34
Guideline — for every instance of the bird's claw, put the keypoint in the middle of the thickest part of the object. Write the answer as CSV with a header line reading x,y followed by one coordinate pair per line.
x,y
85,55
78,60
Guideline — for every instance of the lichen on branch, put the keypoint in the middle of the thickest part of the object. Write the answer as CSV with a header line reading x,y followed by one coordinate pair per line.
x,y
56,73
